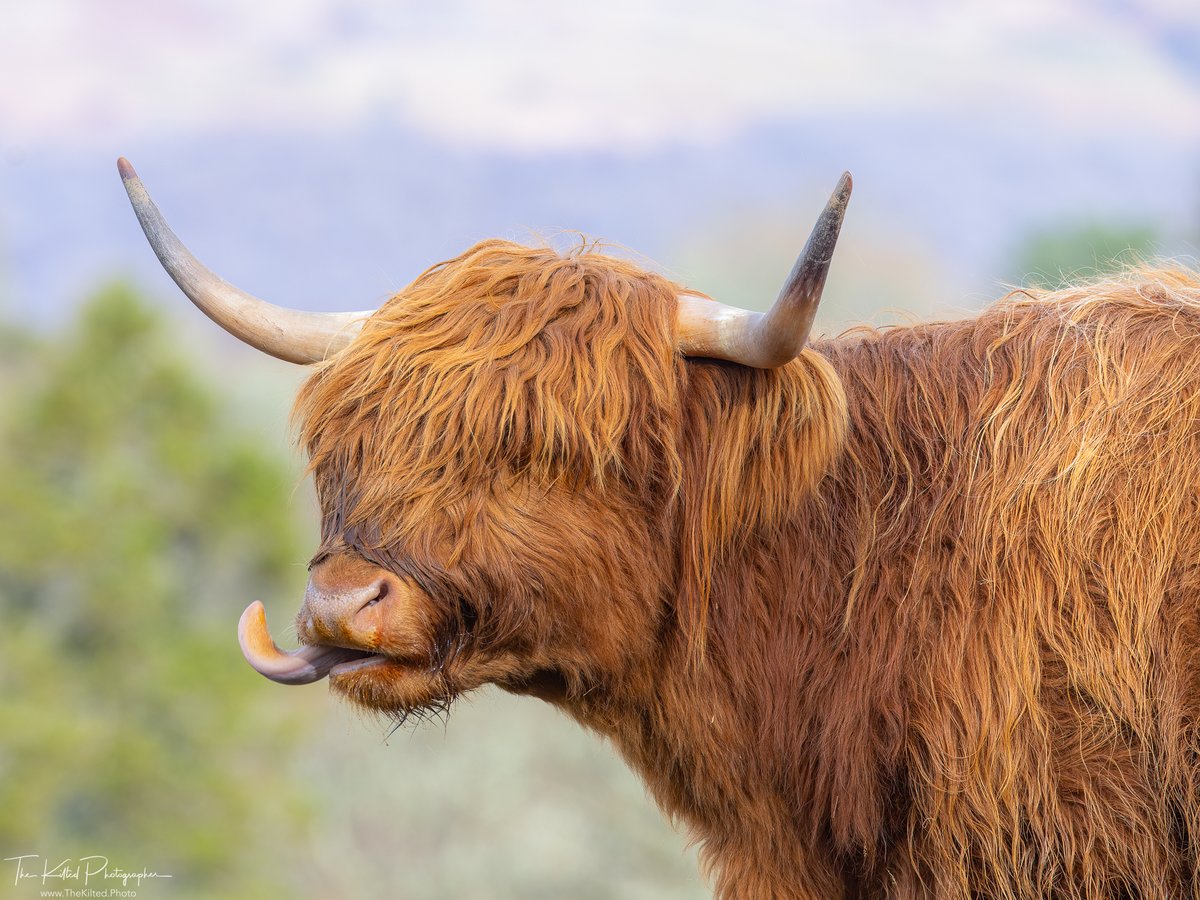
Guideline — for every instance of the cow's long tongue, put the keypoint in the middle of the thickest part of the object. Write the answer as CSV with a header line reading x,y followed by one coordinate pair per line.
x,y
302,666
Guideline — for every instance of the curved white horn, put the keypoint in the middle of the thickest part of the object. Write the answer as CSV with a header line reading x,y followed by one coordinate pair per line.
x,y
289,334
771,339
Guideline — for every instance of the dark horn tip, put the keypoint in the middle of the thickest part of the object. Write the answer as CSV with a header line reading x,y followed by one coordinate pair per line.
x,y
125,169
845,184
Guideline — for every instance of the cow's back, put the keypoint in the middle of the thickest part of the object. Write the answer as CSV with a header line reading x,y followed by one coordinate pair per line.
x,y
1024,490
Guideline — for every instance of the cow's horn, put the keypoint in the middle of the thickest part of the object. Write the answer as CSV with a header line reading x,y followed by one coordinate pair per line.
x,y
293,335
768,340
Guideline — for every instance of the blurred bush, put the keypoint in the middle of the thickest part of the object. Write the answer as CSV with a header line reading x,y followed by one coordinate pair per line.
x,y
1057,257
131,513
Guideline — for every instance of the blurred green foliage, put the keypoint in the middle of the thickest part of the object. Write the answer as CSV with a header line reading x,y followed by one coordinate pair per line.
x,y
132,512
1058,257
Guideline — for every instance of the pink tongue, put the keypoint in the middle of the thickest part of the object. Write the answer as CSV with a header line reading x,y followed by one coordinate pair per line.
x,y
303,666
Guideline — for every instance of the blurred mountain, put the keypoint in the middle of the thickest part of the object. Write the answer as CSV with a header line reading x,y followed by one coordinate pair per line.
x,y
343,220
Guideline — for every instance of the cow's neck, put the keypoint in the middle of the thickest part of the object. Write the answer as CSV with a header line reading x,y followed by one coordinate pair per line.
x,y
735,748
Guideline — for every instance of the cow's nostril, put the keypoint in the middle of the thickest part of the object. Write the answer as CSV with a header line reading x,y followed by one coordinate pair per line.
x,y
378,592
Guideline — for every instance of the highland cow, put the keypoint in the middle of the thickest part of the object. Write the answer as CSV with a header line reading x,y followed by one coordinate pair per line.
x,y
905,613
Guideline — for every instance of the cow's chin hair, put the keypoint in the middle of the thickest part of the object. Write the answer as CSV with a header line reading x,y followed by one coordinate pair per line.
x,y
403,692
398,692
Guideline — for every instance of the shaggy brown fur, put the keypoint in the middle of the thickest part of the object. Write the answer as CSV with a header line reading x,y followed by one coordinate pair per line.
x,y
915,616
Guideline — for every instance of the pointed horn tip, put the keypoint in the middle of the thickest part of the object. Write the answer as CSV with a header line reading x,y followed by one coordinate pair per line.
x,y
844,186
126,169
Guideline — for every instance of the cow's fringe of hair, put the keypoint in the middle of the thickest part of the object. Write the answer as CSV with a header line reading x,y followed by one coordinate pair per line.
x,y
504,359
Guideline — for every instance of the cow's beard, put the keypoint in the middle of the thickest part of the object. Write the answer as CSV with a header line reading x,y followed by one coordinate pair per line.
x,y
399,692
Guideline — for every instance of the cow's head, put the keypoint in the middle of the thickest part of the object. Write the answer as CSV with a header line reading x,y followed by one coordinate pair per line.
x,y
502,458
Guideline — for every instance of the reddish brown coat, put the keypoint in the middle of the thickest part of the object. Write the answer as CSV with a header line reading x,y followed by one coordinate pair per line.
x,y
914,616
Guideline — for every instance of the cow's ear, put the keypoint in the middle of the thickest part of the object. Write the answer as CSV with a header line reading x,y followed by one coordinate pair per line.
x,y
756,444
